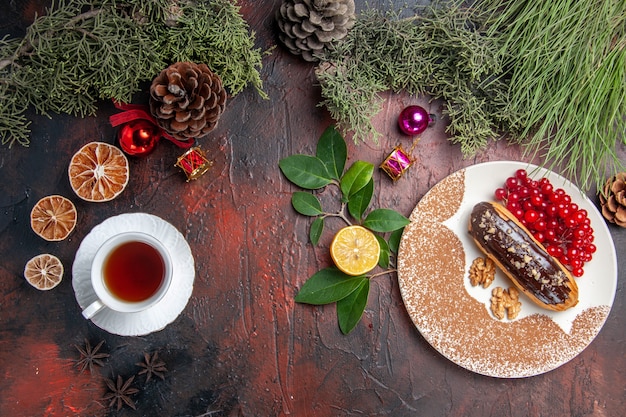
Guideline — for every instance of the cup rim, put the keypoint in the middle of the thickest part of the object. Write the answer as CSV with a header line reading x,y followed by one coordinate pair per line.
x,y
97,277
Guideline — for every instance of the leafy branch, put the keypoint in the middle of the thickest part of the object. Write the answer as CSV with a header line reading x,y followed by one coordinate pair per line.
x,y
356,189
83,51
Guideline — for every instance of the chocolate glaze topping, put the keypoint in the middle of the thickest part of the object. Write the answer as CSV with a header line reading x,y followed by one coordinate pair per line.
x,y
534,269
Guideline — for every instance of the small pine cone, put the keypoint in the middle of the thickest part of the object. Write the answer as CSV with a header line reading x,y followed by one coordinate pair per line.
x,y
187,100
613,199
309,27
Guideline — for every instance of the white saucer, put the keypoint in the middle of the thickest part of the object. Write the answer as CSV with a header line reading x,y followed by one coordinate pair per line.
x,y
171,305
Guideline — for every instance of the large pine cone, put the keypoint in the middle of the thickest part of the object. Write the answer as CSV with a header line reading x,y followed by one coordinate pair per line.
x,y
309,27
187,100
613,199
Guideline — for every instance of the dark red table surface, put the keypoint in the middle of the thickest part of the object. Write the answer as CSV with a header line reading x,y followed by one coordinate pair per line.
x,y
242,346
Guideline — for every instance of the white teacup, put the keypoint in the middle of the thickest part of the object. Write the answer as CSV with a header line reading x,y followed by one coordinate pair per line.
x,y
130,272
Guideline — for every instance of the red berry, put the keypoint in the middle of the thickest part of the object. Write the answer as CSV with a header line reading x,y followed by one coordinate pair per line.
x,y
540,224
512,206
546,189
570,222
550,235
536,200
579,233
531,216
554,197
564,212
521,174
551,210
578,272
500,194
576,263
511,183
555,251
527,205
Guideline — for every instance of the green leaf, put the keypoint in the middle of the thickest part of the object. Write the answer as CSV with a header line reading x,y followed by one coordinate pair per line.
x,y
306,203
317,227
385,220
351,308
360,201
355,178
327,286
383,258
394,239
332,151
306,171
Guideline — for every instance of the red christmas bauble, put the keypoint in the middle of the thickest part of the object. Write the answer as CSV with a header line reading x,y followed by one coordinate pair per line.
x,y
413,120
138,137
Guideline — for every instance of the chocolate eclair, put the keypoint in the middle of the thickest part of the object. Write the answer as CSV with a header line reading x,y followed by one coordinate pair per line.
x,y
539,275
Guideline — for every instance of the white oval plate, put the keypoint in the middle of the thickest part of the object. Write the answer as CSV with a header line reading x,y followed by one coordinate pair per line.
x,y
454,317
169,307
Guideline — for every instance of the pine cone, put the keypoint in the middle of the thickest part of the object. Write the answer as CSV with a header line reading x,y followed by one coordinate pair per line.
x,y
187,100
613,199
309,27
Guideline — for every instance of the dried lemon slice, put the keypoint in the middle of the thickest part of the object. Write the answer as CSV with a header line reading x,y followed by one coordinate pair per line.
x,y
355,250
53,217
98,172
44,271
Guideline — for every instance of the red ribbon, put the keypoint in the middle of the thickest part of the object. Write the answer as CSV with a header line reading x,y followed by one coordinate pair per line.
x,y
136,111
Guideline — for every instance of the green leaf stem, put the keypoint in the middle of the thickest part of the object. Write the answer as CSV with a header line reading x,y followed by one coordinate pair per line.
x,y
332,151
327,286
385,220
394,240
383,258
317,227
356,177
306,171
306,204
360,201
351,308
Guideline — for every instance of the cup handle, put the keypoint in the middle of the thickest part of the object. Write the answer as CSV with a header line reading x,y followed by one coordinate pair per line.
x,y
92,309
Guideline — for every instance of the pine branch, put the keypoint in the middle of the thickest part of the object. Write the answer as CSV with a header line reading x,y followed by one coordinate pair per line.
x,y
442,52
84,51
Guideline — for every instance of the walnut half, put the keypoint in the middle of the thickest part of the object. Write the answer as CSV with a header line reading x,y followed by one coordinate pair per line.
x,y
482,272
505,301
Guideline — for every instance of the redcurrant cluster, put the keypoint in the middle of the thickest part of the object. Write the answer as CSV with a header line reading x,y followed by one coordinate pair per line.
x,y
562,227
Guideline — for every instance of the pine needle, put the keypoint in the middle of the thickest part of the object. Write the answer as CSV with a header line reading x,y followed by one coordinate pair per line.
x,y
567,66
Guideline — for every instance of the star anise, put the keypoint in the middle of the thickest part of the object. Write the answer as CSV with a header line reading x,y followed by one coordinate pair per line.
x,y
120,392
152,366
90,356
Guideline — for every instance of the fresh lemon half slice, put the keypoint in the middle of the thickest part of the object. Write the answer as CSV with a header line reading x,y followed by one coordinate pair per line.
x,y
355,250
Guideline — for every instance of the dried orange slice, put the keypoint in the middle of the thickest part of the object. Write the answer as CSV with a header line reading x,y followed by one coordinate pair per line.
x,y
53,217
44,271
355,250
98,172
